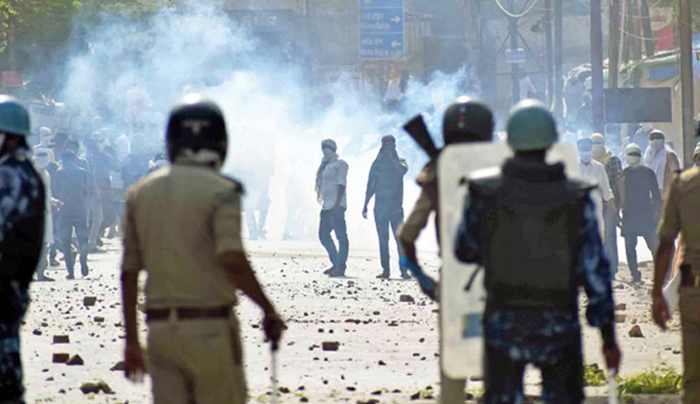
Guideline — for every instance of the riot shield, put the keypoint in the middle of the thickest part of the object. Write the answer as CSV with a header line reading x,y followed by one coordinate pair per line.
x,y
461,311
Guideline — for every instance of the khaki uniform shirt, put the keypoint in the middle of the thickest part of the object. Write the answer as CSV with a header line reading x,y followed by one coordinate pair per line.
x,y
178,221
426,204
682,215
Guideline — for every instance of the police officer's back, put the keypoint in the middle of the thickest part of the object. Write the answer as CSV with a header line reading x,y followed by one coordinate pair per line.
x,y
535,233
22,215
182,227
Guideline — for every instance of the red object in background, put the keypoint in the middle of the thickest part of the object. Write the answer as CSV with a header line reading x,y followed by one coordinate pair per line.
x,y
11,78
665,38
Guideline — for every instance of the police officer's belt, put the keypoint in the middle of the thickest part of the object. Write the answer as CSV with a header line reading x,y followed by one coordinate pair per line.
x,y
188,313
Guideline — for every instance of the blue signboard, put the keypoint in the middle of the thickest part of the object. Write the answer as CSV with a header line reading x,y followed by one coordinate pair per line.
x,y
381,29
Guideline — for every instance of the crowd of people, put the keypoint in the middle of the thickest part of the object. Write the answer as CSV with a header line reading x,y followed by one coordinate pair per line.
x,y
86,178
631,189
534,231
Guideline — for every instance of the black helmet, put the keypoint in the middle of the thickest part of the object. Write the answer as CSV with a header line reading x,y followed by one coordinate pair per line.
x,y
467,120
196,123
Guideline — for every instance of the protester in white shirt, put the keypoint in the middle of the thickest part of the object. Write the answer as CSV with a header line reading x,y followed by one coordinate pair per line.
x,y
594,172
331,182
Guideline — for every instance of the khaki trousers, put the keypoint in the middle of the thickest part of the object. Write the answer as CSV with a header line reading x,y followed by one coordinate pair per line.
x,y
690,321
196,361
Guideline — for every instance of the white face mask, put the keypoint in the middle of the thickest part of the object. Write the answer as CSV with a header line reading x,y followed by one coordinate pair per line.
x,y
585,156
656,144
632,161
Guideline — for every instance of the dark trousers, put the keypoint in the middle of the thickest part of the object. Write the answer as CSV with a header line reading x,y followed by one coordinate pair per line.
x,y
610,233
562,383
334,220
385,218
631,251
11,374
65,233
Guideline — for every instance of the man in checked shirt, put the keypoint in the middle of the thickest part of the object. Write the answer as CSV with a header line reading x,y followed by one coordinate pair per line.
x,y
535,232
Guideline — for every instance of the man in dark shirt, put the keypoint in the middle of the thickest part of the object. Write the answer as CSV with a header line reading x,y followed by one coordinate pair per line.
x,y
641,206
72,187
135,165
22,216
386,185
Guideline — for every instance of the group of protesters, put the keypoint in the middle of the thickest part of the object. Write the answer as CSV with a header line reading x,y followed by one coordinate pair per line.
x,y
86,177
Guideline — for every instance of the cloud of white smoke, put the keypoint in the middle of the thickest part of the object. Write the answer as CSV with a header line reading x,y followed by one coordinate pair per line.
x,y
276,118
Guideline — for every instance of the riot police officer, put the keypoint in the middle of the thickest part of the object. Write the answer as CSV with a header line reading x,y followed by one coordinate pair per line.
x,y
22,216
535,233
183,226
467,120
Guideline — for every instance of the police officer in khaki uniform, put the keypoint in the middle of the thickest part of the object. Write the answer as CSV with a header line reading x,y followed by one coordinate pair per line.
x,y
183,226
681,216
466,120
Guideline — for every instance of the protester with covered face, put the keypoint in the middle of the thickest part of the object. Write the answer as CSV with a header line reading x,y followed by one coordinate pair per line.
x,y
22,215
662,160
45,137
385,183
331,182
641,205
594,172
611,214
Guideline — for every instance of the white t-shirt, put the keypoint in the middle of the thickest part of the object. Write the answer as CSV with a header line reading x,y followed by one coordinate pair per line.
x,y
335,173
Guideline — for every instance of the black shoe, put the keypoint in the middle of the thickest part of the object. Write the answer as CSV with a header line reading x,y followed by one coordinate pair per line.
x,y
99,242
383,275
70,276
329,271
44,278
54,262
337,273
84,270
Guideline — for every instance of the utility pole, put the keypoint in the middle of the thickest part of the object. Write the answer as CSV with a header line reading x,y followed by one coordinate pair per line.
x,y
597,67
649,45
514,67
549,54
686,32
558,60
614,47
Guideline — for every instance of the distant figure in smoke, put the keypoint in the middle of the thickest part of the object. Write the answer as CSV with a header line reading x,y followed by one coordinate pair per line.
x,y
385,183
611,214
136,164
22,215
72,185
641,206
594,172
662,159
258,200
42,159
331,182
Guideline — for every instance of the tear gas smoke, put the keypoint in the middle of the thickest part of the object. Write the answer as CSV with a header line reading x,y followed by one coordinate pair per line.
x,y
134,71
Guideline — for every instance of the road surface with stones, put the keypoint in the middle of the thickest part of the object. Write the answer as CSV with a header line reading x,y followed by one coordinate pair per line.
x,y
386,331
